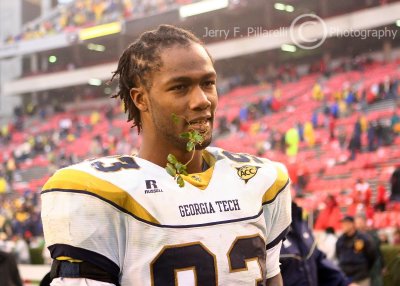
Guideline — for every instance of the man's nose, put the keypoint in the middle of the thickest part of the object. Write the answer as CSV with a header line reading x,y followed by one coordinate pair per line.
x,y
199,99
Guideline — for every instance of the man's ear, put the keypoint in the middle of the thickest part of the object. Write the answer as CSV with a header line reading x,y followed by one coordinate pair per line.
x,y
139,98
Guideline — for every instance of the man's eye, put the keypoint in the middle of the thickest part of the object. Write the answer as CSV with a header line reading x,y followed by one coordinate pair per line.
x,y
179,87
209,83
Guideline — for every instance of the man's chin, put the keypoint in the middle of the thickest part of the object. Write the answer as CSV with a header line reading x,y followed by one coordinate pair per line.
x,y
204,144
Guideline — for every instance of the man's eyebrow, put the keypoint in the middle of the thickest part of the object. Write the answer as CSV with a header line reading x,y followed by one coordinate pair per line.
x,y
189,79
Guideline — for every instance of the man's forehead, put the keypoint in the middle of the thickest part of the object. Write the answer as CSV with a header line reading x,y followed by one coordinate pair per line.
x,y
189,59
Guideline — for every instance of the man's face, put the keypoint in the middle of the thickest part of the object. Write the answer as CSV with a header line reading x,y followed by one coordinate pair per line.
x,y
185,85
360,223
347,226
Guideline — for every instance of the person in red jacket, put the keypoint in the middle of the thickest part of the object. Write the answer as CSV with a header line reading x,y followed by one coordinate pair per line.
x,y
362,192
381,198
330,216
361,196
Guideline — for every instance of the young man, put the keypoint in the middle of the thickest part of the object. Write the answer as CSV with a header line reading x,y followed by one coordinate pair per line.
x,y
355,252
123,220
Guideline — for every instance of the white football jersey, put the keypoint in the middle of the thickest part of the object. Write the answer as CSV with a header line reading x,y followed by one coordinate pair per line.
x,y
129,217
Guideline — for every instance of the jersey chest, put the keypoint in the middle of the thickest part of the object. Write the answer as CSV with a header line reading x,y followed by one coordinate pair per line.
x,y
226,197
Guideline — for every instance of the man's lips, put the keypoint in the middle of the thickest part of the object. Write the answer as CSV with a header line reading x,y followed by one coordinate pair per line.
x,y
200,120
200,124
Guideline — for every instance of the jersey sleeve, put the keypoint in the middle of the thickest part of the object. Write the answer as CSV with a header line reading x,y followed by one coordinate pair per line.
x,y
84,219
277,214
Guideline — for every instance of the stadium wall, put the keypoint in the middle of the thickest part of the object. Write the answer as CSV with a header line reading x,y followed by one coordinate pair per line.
x,y
10,23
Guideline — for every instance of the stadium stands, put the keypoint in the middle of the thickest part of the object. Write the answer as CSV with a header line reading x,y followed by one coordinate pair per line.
x,y
79,14
326,160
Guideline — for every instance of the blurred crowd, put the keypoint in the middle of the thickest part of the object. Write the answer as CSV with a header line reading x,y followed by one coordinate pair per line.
x,y
51,143
353,258
86,13
20,224
334,104
261,74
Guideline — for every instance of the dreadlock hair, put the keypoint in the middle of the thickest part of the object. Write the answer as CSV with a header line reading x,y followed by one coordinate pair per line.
x,y
141,59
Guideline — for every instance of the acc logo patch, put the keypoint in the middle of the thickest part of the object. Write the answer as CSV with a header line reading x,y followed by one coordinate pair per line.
x,y
247,172
358,245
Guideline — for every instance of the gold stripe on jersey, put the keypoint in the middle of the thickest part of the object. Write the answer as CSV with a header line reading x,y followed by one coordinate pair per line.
x,y
202,179
209,158
75,180
70,259
281,181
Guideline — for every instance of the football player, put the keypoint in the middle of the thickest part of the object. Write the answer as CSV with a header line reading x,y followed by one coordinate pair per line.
x,y
123,220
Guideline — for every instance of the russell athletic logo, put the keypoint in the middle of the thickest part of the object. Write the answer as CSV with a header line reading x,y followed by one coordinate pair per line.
x,y
151,187
247,172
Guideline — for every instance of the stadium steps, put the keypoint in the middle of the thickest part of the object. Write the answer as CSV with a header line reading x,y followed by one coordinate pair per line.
x,y
382,105
33,173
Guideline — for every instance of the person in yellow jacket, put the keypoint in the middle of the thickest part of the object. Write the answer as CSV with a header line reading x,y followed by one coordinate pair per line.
x,y
3,185
309,134
292,142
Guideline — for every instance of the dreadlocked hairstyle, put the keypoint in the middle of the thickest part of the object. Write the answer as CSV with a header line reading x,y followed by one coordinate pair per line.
x,y
141,59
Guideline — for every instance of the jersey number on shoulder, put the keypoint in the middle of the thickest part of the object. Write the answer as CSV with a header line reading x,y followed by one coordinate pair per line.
x,y
241,158
123,162
196,257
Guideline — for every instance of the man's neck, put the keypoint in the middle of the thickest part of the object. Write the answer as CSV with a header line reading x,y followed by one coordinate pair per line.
x,y
159,156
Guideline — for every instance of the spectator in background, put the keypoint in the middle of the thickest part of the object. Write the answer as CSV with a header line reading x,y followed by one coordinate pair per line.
x,y
363,192
395,123
381,197
327,243
395,185
380,132
317,93
8,270
361,196
301,131
342,137
109,113
292,142
355,141
314,119
377,269
355,252
303,177
383,237
11,166
332,127
303,264
335,110
244,114
5,227
396,237
394,88
21,250
3,183
330,216
309,134
371,137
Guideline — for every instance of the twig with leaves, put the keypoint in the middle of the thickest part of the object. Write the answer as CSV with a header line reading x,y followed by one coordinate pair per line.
x,y
175,168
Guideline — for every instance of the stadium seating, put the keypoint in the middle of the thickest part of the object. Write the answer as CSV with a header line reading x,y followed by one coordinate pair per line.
x,y
329,166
